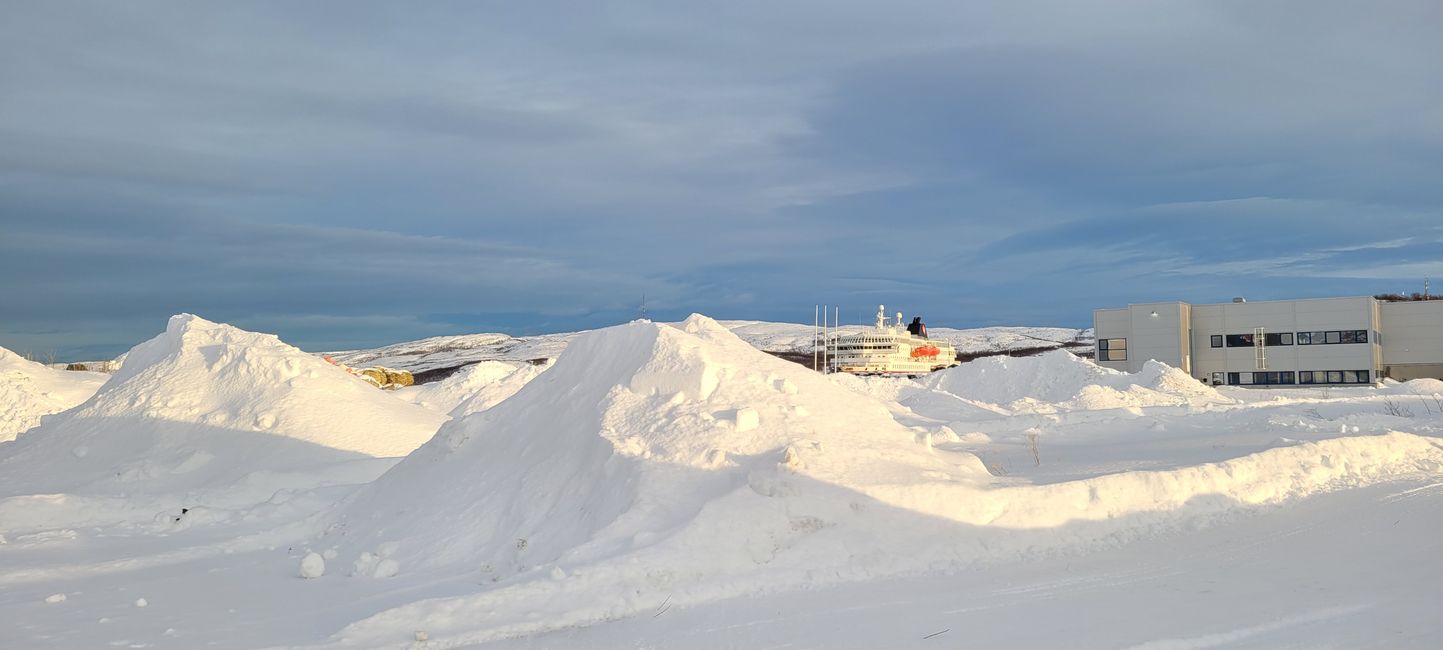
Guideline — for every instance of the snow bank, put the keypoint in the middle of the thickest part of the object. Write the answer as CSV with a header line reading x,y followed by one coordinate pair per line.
x,y
29,391
474,388
205,404
1060,379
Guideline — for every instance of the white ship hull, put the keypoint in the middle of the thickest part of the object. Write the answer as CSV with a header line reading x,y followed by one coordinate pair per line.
x,y
888,350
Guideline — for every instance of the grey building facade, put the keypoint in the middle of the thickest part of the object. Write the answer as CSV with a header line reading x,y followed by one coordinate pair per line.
x,y
1323,341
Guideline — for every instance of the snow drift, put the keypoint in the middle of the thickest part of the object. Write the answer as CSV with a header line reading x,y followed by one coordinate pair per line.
x,y
1061,379
29,391
205,404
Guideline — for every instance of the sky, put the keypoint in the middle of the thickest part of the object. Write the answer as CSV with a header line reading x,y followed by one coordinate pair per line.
x,y
349,174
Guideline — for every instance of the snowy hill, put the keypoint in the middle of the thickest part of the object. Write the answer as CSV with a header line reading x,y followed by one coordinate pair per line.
x,y
30,391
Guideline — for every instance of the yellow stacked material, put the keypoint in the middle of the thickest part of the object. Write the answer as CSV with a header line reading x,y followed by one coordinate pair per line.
x,y
398,377
376,376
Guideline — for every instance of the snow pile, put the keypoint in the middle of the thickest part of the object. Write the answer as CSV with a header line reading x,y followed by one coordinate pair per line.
x,y
30,390
495,392
1061,380
478,387
640,435
205,404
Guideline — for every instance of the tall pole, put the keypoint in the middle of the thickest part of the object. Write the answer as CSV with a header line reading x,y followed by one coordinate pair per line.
x,y
824,351
816,309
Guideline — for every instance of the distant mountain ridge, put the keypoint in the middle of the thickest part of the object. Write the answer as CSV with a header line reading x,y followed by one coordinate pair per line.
x,y
438,356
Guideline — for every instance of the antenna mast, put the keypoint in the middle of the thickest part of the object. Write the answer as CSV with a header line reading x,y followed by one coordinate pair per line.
x,y
643,305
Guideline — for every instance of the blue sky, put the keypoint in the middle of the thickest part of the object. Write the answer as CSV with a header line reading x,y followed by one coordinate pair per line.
x,y
347,174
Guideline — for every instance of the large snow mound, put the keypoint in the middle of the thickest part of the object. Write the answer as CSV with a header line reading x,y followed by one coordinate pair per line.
x,y
635,435
1061,379
30,391
205,403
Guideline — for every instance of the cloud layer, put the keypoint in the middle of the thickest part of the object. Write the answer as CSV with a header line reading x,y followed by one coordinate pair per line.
x,y
348,174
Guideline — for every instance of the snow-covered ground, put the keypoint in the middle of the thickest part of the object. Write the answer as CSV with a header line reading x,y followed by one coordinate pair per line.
x,y
669,485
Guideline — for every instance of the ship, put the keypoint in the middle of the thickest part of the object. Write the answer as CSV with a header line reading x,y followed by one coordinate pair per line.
x,y
889,349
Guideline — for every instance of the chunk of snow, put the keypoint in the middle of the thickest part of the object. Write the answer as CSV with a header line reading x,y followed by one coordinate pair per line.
x,y
747,419
55,598
313,566
141,602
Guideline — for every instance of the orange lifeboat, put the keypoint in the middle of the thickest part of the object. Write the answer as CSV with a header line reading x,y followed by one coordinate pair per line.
x,y
929,351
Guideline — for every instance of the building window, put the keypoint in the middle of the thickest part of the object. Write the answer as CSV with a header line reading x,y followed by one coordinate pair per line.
x,y
1305,377
1333,337
1217,378
1247,340
1112,349
1217,340
1278,338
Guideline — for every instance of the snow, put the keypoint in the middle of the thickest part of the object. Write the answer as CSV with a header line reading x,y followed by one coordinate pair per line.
x,y
1061,378
669,485
29,391
203,415
474,388
313,566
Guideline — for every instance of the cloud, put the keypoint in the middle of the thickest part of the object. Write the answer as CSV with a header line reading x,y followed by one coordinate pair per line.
x,y
542,165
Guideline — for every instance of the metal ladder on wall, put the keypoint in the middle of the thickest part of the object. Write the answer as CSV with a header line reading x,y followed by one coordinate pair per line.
x,y
1260,354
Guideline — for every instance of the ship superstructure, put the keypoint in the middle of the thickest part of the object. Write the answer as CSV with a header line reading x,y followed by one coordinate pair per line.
x,y
889,349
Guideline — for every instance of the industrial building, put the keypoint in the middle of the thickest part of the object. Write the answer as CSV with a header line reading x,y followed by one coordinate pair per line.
x,y
1323,341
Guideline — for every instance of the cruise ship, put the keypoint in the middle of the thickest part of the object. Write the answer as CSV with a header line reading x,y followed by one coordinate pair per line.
x,y
889,349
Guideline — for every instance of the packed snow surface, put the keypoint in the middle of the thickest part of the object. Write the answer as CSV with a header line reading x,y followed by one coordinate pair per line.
x,y
30,391
671,486
204,404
